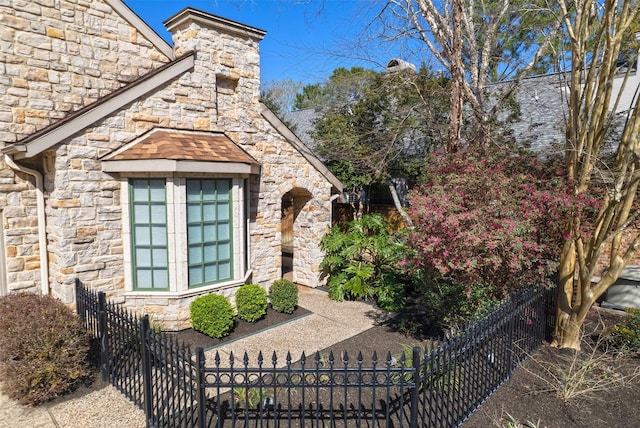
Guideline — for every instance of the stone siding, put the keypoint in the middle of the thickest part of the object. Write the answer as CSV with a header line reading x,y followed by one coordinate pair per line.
x,y
55,57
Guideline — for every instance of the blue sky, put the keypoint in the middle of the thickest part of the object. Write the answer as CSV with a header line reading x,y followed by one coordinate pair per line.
x,y
303,36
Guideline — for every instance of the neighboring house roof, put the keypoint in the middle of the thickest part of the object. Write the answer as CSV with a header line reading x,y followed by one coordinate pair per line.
x,y
542,101
80,119
304,122
543,104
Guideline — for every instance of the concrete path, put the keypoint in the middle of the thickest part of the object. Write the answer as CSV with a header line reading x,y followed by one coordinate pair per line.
x,y
330,322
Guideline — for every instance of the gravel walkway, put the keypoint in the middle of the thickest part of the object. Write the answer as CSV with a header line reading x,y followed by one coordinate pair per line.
x,y
100,406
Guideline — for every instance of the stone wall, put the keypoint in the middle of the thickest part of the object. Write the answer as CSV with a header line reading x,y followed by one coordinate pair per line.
x,y
59,55
19,220
56,56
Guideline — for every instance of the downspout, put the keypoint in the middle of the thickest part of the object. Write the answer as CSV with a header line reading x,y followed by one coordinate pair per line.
x,y
42,227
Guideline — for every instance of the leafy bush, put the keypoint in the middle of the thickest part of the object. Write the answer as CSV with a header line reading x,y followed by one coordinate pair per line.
x,y
43,348
362,262
453,303
625,337
212,315
251,302
283,295
490,220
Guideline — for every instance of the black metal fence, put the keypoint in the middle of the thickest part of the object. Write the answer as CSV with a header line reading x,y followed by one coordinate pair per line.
x,y
439,386
146,365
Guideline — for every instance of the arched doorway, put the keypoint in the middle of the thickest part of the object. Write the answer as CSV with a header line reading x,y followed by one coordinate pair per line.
x,y
292,204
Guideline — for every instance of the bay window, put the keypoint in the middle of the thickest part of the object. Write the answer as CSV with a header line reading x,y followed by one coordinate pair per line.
x,y
184,232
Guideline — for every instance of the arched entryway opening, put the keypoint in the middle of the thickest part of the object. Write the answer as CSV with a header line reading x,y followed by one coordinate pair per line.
x,y
291,205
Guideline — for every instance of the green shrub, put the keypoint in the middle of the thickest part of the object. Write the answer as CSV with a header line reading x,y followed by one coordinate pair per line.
x,y
251,302
44,350
363,262
283,295
212,315
625,337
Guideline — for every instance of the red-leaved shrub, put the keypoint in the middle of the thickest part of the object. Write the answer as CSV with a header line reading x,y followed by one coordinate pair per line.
x,y
485,219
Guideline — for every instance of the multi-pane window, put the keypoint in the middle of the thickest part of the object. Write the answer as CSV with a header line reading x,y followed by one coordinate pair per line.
x,y
149,234
209,231
204,236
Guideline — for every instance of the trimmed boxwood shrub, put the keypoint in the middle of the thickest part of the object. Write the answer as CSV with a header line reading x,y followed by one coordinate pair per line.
x,y
283,295
212,315
44,350
251,302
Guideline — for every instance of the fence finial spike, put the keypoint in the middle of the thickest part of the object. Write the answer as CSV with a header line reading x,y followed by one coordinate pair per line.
x,y
303,358
260,359
374,357
331,359
274,358
245,359
360,359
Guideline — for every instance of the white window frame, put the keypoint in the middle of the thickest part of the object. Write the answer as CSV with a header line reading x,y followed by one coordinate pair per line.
x,y
177,233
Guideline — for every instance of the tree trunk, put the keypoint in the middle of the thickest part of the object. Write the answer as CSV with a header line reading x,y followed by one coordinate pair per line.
x,y
399,208
457,77
566,333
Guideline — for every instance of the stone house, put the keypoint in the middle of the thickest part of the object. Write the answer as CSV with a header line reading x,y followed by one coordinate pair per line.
x,y
149,171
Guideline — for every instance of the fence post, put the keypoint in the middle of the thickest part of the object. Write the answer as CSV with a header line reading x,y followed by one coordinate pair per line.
x,y
146,370
202,397
80,304
103,336
513,307
415,362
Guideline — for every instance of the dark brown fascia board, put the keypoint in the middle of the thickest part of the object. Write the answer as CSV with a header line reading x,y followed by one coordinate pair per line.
x,y
300,146
215,21
132,18
81,119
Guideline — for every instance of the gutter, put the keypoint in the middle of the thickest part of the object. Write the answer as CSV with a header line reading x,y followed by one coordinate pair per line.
x,y
42,230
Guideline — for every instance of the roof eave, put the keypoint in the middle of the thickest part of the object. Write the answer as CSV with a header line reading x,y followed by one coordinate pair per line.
x,y
83,118
182,166
132,18
300,146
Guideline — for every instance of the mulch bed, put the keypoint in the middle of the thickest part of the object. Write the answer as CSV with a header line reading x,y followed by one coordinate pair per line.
x,y
195,339
528,397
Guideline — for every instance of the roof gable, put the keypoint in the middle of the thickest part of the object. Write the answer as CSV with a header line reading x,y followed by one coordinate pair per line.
x,y
305,151
53,134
